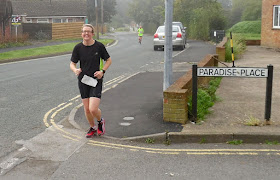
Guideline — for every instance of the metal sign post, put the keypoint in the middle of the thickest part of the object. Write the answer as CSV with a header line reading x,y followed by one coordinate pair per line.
x,y
194,92
268,97
16,21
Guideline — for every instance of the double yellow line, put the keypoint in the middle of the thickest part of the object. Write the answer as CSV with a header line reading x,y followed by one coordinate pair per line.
x,y
54,111
243,152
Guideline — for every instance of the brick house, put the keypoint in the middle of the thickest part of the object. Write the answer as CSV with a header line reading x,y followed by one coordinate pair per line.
x,y
55,11
270,36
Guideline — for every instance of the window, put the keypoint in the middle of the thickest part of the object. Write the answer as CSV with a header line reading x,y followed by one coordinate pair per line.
x,y
276,16
71,20
56,20
28,21
42,20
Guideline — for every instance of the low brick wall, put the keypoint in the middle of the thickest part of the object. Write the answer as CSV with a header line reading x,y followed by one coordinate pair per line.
x,y
253,42
175,98
221,49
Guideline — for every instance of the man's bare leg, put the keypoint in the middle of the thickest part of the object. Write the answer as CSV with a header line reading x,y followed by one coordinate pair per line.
x,y
88,114
94,108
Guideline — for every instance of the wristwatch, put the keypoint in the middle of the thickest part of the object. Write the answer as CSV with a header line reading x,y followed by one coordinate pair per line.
x,y
102,70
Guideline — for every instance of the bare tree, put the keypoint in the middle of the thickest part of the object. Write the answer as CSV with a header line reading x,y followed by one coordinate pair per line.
x,y
6,12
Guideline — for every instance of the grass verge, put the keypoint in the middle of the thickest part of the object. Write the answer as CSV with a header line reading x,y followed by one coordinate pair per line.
x,y
205,98
46,50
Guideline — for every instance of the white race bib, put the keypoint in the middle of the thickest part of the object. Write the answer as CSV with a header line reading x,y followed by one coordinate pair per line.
x,y
89,81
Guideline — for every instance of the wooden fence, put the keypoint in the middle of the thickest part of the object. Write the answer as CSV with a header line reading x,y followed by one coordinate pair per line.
x,y
53,30
66,30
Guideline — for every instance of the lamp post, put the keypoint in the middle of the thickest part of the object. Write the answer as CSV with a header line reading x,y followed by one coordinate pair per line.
x,y
96,14
167,79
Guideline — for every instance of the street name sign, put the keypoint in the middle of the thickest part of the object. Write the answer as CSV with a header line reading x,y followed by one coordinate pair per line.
x,y
248,72
233,72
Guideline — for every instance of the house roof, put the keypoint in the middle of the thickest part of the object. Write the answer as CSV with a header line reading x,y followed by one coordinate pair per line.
x,y
50,8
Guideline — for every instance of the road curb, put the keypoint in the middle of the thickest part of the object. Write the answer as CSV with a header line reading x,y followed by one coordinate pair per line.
x,y
180,137
191,137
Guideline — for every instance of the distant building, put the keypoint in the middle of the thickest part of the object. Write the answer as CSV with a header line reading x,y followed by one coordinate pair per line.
x,y
51,11
270,36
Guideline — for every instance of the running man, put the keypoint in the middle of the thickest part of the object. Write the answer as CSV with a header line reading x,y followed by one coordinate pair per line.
x,y
89,53
140,34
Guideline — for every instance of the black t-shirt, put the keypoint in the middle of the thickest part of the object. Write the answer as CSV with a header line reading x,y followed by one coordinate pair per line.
x,y
89,57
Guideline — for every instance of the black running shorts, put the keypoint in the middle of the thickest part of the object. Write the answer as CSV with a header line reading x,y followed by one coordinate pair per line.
x,y
87,91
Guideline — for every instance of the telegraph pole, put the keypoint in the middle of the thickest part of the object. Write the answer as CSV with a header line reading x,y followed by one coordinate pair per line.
x,y
167,79
96,14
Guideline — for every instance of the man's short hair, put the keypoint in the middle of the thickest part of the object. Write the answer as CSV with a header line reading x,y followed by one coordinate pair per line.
x,y
88,25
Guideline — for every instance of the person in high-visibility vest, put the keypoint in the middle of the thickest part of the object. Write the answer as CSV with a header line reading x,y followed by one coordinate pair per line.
x,y
140,34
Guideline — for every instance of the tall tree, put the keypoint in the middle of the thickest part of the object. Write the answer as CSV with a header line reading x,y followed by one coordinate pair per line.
x,y
248,10
200,16
109,10
121,18
252,11
6,12
147,11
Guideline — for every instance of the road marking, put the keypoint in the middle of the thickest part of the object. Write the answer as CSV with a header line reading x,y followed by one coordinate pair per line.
x,y
52,114
48,113
154,152
101,145
179,53
128,118
220,153
78,96
68,137
54,111
56,126
113,80
187,150
125,124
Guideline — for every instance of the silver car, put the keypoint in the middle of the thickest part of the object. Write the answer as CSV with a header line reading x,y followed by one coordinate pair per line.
x,y
182,28
178,38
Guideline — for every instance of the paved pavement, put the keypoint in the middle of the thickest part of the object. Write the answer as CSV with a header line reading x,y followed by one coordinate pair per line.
x,y
241,100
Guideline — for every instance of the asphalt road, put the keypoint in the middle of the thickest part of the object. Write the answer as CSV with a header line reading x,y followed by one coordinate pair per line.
x,y
31,89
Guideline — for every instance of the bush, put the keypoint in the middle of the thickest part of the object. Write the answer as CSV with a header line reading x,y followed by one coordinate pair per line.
x,y
123,29
205,98
42,35
14,42
239,46
252,27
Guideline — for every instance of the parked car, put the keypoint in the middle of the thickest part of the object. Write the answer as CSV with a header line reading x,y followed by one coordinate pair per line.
x,y
178,38
184,29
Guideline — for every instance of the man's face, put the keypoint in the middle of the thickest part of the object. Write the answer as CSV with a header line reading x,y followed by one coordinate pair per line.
x,y
87,33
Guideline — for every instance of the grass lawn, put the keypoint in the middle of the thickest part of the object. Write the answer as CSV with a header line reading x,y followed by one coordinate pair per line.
x,y
46,50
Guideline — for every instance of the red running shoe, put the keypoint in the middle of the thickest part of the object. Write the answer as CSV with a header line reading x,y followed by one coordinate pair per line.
x,y
101,127
91,132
